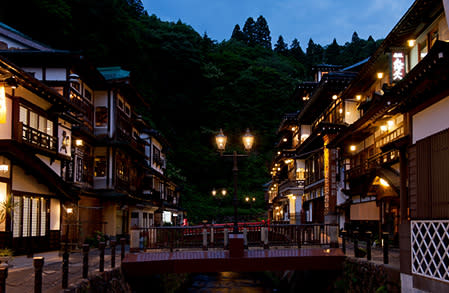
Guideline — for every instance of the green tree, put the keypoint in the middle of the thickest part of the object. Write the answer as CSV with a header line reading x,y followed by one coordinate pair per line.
x,y
237,34
296,51
332,52
262,30
281,47
249,32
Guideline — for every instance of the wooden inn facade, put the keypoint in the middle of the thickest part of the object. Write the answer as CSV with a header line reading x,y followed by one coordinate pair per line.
x,y
376,151
75,155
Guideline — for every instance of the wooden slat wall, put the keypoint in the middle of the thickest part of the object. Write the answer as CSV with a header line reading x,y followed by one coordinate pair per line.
x,y
440,174
423,187
429,177
412,184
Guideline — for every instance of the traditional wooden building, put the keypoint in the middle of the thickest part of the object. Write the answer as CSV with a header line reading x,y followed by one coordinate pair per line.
x,y
110,150
35,138
395,156
286,188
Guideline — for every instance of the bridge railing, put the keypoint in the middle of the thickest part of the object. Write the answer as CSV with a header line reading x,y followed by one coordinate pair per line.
x,y
255,235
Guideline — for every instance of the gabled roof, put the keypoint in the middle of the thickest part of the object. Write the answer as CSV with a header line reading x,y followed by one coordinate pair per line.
x,y
114,72
34,85
23,39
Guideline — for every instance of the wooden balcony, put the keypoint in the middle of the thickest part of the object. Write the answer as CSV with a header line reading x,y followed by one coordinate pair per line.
x,y
37,138
378,161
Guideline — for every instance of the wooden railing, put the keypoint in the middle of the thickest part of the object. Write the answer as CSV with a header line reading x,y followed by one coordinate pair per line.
x,y
255,235
372,163
37,138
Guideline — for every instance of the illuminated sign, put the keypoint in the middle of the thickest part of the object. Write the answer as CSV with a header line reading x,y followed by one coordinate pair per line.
x,y
398,64
2,104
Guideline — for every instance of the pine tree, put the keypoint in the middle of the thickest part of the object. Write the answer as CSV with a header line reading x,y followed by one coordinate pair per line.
x,y
314,53
355,38
249,32
262,30
280,46
237,34
296,51
332,52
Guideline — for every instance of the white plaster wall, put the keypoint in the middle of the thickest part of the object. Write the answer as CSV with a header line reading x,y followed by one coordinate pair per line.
x,y
37,71
55,166
27,183
55,74
5,128
431,120
29,96
12,44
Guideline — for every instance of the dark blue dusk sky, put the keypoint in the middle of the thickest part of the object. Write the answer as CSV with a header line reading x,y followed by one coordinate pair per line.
x,y
321,20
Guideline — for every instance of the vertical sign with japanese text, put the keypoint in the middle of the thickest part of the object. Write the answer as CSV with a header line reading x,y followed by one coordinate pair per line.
x,y
398,66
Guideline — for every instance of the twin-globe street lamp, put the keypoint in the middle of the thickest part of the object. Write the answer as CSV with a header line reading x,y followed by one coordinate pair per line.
x,y
248,141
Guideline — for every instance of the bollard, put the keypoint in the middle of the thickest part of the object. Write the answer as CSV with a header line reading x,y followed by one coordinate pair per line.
x,y
212,235
385,242
65,268
225,238
368,245
3,276
204,237
343,241
122,244
38,263
265,238
245,237
113,244
356,243
85,260
101,247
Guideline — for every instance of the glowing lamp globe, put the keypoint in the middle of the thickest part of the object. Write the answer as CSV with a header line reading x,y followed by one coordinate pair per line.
x,y
248,140
221,139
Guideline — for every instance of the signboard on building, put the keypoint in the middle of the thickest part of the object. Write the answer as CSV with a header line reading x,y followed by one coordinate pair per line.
x,y
64,141
398,66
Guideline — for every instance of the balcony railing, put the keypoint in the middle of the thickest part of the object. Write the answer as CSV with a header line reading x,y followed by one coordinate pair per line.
x,y
430,249
372,163
37,138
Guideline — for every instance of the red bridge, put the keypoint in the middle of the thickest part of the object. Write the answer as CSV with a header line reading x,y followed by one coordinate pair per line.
x,y
203,249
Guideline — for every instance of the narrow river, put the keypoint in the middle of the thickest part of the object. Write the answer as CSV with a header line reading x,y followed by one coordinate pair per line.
x,y
231,282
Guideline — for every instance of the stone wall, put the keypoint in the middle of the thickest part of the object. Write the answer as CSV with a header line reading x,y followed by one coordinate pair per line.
x,y
364,276
109,281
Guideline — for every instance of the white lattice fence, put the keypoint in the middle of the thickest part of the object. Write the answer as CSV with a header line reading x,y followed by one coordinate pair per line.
x,y
430,249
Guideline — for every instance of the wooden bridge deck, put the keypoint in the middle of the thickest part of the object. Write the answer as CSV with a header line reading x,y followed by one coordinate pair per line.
x,y
147,263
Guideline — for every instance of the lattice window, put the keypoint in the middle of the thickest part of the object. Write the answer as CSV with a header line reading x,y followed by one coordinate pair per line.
x,y
430,249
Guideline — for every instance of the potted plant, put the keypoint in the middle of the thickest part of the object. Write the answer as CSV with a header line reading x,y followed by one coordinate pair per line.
x,y
6,256
6,208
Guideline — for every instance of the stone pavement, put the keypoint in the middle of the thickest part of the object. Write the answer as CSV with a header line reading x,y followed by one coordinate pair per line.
x,y
21,275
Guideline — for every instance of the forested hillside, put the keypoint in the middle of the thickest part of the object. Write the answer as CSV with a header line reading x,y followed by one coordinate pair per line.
x,y
194,84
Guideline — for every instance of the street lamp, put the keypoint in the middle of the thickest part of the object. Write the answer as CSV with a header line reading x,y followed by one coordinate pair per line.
x,y
248,141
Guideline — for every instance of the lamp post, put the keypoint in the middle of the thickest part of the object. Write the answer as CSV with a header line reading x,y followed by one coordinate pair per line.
x,y
248,141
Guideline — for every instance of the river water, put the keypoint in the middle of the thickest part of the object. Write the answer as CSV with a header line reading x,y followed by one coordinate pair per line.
x,y
231,282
